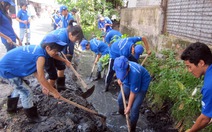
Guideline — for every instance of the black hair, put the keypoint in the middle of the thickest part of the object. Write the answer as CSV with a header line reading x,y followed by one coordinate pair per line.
x,y
3,9
75,30
74,10
196,52
22,4
53,46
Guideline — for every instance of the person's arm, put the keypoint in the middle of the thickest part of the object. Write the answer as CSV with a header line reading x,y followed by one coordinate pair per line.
x,y
40,75
130,102
97,58
201,122
57,57
21,21
19,41
146,44
9,40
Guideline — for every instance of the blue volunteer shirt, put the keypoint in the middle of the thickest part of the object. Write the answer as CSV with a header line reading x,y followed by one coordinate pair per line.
x,y
99,47
23,15
138,78
21,61
112,34
123,47
206,93
62,33
6,28
57,18
65,20
101,24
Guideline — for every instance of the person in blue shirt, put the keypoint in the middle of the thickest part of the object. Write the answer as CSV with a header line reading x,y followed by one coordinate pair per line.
x,y
104,23
66,16
24,23
101,50
23,61
111,36
197,58
7,33
56,18
123,47
56,68
135,80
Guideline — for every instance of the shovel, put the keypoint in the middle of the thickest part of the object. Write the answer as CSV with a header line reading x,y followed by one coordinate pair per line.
x,y
92,71
82,107
89,91
142,63
125,106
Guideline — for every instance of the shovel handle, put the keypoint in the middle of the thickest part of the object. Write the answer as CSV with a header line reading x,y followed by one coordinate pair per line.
x,y
144,60
92,70
82,107
76,74
125,106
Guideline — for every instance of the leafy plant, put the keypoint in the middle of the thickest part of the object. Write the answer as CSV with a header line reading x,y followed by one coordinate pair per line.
x,y
171,81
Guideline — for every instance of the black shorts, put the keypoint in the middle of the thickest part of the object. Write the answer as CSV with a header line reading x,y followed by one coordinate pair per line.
x,y
51,67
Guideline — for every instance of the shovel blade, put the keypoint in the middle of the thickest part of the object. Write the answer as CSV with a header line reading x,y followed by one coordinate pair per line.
x,y
88,93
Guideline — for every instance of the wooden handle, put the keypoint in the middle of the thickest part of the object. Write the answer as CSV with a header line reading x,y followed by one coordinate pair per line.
x,y
82,107
76,74
144,60
93,68
125,106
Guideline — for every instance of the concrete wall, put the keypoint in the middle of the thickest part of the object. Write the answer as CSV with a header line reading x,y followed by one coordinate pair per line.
x,y
145,21
141,3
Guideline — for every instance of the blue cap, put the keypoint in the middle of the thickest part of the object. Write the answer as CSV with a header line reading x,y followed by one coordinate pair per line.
x,y
83,44
138,51
120,67
51,38
63,8
9,1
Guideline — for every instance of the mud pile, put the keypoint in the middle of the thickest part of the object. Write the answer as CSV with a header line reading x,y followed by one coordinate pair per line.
x,y
61,116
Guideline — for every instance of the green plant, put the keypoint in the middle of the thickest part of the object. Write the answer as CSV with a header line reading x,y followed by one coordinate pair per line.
x,y
172,82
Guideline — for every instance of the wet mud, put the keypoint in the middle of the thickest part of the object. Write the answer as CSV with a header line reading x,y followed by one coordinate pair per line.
x,y
61,116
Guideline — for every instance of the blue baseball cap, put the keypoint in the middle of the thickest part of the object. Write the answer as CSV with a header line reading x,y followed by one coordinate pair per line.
x,y
63,8
51,38
138,51
9,1
83,44
120,67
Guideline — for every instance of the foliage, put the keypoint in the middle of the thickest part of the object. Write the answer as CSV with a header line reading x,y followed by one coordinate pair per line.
x,y
171,81
104,60
89,9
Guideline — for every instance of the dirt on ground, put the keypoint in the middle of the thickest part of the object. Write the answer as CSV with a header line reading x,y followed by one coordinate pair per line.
x,y
61,116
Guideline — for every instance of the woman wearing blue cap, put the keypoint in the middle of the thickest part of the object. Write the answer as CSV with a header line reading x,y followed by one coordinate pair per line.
x,y
55,68
101,49
7,33
24,61
135,80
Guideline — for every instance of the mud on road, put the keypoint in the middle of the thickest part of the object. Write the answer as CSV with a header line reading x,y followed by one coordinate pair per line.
x,y
62,116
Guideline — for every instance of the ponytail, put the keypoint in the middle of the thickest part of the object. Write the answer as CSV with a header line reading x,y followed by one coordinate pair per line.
x,y
72,23
75,30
